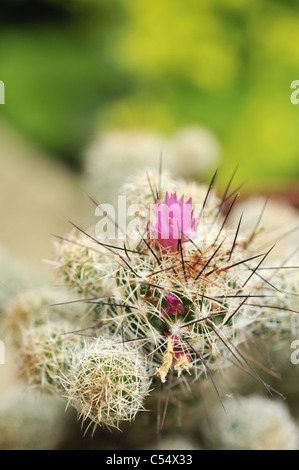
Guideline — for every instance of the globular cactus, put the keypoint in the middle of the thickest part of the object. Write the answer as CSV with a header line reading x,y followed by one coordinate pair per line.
x,y
34,307
108,383
139,189
272,220
254,423
279,322
86,270
273,223
180,292
46,356
30,421
192,151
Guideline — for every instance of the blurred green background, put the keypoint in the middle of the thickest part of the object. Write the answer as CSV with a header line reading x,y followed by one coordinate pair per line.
x,y
74,67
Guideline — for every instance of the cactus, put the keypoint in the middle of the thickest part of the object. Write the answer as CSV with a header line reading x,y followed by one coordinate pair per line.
x,y
276,321
30,421
170,303
188,152
108,383
254,423
34,307
83,268
46,356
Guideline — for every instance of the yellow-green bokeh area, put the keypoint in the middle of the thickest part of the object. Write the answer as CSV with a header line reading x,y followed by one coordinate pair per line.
x,y
226,65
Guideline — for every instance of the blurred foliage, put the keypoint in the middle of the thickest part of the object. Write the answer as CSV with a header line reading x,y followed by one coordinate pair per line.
x,y
57,71
98,64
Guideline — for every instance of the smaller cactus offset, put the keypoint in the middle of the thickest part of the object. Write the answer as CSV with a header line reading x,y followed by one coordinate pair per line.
x,y
170,300
89,272
47,355
108,383
31,308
